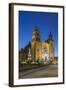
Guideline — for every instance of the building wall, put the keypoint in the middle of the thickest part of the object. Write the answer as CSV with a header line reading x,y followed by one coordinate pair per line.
x,y
42,51
45,51
33,50
38,54
51,50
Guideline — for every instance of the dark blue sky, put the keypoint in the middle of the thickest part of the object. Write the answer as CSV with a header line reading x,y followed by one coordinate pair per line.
x,y
45,21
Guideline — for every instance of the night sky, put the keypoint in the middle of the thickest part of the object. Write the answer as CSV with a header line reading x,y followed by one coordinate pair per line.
x,y
46,22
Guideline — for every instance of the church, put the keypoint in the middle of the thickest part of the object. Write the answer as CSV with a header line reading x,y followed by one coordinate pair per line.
x,y
38,51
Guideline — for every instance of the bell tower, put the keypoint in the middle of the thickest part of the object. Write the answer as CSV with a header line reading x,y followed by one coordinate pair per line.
x,y
36,35
51,47
35,39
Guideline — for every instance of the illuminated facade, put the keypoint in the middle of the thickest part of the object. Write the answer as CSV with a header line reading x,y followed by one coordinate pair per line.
x,y
42,52
38,51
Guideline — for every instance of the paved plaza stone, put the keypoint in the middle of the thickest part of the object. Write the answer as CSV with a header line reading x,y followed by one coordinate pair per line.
x,y
40,72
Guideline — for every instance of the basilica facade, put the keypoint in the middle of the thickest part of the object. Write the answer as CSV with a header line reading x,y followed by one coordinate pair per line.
x,y
39,51
42,51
